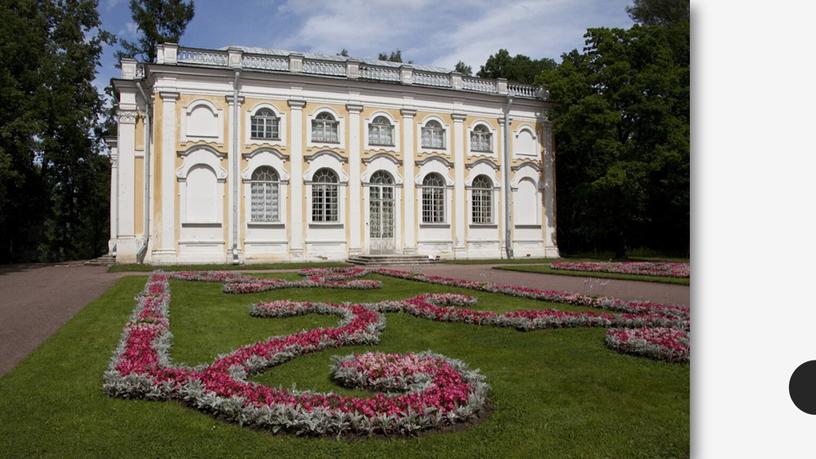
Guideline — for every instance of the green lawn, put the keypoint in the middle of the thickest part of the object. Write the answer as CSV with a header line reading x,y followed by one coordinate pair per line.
x,y
545,269
555,393
134,267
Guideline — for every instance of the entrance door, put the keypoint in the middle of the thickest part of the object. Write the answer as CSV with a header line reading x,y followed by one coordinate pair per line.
x,y
381,213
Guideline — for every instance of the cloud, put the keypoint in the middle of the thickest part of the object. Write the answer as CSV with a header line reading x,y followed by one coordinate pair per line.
x,y
442,33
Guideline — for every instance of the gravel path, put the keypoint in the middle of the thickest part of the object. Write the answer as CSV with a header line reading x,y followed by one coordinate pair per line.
x,y
37,299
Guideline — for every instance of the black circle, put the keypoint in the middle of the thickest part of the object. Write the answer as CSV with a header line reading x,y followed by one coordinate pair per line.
x,y
802,387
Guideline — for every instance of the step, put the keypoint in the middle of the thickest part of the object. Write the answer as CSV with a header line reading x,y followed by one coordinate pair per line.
x,y
390,259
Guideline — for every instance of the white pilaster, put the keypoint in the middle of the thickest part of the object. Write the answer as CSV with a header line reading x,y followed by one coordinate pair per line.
x,y
460,198
126,142
166,250
548,223
296,173
232,174
355,214
114,192
408,183
502,208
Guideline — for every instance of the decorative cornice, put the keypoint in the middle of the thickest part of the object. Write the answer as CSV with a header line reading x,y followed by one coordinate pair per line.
x,y
439,158
487,161
272,151
169,95
528,163
201,146
387,156
458,116
354,108
296,103
335,155
408,112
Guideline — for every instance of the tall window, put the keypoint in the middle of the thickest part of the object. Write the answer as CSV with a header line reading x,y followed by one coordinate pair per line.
x,y
433,136
433,199
481,139
381,132
482,200
324,196
325,128
265,201
265,125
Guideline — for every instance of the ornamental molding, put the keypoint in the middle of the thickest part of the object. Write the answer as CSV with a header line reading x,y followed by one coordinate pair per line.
x,y
114,159
387,156
335,155
272,151
431,158
201,146
354,108
169,95
408,112
489,162
296,103
127,116
229,98
459,117
534,164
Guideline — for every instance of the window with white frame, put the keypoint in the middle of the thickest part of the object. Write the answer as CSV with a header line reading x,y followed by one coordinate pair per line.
x,y
433,199
265,125
265,195
325,128
433,135
381,132
325,200
482,200
481,139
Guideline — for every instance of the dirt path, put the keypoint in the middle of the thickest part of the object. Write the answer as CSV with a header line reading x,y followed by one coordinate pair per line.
x,y
37,299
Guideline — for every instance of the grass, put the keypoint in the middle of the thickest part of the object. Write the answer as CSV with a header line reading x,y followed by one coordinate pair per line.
x,y
559,393
545,269
134,267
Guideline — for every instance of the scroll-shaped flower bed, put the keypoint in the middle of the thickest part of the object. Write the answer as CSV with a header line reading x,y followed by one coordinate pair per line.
x,y
418,391
643,268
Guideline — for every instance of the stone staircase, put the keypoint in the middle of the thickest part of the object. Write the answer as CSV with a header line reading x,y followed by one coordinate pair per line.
x,y
369,260
104,260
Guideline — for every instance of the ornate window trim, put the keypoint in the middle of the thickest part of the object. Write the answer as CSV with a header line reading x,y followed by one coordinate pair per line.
x,y
517,133
265,158
265,195
282,139
446,136
489,132
433,199
395,129
341,129
325,196
482,202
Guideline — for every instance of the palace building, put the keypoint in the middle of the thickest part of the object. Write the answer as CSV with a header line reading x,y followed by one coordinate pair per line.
x,y
242,155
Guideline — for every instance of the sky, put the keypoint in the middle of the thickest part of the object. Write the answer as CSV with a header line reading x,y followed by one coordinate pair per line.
x,y
429,32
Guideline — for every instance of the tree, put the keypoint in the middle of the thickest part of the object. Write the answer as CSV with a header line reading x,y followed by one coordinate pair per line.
x,y
53,197
622,135
659,12
518,68
395,56
463,68
343,52
159,21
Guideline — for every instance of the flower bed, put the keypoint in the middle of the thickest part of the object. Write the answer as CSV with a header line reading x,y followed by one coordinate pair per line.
x,y
641,268
433,390
660,343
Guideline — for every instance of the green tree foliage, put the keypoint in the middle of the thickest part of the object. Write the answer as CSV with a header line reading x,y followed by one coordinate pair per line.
x,y
463,68
518,68
343,52
622,139
395,56
159,21
53,179
659,12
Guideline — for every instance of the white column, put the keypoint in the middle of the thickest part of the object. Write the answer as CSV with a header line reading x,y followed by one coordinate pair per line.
x,y
167,237
409,186
355,214
500,217
126,142
548,220
296,220
232,175
114,191
460,199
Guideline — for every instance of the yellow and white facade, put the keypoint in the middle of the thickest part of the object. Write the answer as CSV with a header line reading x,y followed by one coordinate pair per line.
x,y
256,155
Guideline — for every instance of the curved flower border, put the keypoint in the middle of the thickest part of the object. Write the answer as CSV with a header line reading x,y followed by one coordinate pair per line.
x,y
642,268
141,366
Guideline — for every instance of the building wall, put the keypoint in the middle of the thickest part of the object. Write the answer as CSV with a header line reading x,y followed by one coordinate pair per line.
x,y
191,204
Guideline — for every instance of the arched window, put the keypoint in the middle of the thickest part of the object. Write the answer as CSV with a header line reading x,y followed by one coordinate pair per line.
x,y
433,135
265,125
482,199
264,189
381,132
203,205
525,204
325,128
433,199
324,196
481,139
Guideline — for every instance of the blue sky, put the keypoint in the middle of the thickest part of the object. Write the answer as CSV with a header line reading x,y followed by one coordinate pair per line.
x,y
432,32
